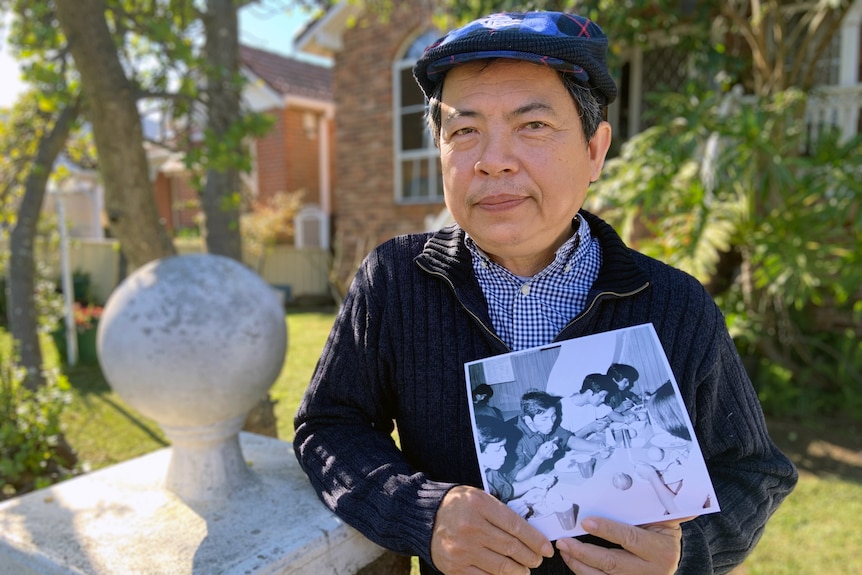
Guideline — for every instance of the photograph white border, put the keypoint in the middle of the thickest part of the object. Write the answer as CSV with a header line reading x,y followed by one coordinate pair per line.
x,y
620,485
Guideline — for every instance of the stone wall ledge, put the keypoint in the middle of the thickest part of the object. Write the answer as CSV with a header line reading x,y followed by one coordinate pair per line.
x,y
121,519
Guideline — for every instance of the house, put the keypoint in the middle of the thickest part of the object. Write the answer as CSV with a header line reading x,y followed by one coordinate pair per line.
x,y
295,155
389,175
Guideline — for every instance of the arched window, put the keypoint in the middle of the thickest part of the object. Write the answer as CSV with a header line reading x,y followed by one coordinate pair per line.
x,y
417,162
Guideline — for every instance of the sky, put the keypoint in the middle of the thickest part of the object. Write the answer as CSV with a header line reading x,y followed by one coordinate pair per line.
x,y
267,25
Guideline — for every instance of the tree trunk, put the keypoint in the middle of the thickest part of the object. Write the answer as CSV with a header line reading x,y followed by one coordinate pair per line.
x,y
113,113
220,196
22,315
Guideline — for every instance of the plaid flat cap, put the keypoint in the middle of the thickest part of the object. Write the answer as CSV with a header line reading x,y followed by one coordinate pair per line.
x,y
566,42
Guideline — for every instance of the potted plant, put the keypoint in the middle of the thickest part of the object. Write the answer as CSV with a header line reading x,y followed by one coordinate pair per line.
x,y
86,321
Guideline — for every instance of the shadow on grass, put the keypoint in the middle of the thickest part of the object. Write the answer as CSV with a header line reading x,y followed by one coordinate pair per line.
x,y
824,447
90,384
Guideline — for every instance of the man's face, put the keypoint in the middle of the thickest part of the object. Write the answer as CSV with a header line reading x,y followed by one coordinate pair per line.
x,y
622,384
543,422
598,398
516,166
494,455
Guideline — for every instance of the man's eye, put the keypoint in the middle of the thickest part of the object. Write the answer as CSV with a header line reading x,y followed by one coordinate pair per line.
x,y
536,125
462,131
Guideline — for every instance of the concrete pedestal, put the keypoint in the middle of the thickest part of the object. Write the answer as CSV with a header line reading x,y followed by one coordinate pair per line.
x,y
122,520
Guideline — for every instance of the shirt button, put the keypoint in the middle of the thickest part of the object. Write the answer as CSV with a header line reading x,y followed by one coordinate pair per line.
x,y
525,289
568,268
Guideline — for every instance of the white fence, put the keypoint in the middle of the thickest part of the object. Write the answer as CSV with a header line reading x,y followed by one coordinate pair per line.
x,y
837,106
305,271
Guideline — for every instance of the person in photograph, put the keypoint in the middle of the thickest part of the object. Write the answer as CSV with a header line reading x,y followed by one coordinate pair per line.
x,y
585,412
481,395
603,387
664,412
543,441
668,474
516,106
492,434
622,396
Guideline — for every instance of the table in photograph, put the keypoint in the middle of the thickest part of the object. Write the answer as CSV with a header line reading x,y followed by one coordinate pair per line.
x,y
614,490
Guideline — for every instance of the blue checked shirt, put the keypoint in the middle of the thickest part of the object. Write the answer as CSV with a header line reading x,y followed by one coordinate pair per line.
x,y
529,312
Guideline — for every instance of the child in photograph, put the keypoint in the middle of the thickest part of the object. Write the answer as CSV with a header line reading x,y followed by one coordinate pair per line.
x,y
622,379
481,397
543,441
665,413
668,476
521,496
585,412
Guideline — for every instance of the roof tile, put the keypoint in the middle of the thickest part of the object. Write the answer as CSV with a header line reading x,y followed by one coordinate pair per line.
x,y
289,76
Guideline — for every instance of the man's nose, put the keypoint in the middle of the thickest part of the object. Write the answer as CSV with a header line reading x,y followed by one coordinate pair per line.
x,y
497,157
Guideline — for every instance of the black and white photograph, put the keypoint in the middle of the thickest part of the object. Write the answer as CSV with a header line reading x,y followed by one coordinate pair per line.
x,y
593,426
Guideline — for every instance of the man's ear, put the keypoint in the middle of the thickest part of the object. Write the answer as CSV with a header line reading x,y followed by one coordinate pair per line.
x,y
599,145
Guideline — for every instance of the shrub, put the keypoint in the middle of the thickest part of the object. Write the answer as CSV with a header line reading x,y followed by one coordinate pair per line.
x,y
734,191
33,453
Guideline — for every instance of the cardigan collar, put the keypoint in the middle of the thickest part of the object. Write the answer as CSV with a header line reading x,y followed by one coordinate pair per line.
x,y
446,255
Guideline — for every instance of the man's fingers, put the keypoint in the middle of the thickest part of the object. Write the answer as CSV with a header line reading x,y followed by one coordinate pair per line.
x,y
651,549
657,543
575,552
514,538
518,539
629,536
475,530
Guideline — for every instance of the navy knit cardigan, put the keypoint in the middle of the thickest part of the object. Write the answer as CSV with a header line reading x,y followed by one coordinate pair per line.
x,y
415,314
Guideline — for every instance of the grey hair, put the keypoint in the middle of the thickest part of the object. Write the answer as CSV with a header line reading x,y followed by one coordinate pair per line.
x,y
589,108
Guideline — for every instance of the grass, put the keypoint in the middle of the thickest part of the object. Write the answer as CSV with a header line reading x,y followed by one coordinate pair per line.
x,y
104,430
815,531
306,334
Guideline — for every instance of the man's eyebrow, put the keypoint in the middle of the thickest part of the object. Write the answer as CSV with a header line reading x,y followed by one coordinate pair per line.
x,y
531,107
454,114
525,109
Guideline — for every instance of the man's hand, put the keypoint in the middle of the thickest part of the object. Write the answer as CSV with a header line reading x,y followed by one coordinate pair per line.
x,y
475,533
600,425
546,450
652,549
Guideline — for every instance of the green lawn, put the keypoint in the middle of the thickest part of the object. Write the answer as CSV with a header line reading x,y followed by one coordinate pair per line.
x,y
104,430
815,531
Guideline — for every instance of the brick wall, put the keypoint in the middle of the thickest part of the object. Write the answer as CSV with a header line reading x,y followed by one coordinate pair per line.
x,y
270,151
177,202
186,203
162,192
302,154
366,213
288,157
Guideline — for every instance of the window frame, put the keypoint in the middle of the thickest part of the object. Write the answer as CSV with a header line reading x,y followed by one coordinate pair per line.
x,y
429,154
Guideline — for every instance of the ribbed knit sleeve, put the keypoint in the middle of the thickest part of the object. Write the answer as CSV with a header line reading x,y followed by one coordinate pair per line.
x,y
344,424
750,475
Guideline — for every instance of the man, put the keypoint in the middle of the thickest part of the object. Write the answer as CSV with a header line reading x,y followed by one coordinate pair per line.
x,y
515,105
543,441
585,412
624,377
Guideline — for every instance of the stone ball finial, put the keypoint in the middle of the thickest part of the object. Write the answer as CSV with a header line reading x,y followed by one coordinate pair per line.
x,y
194,342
